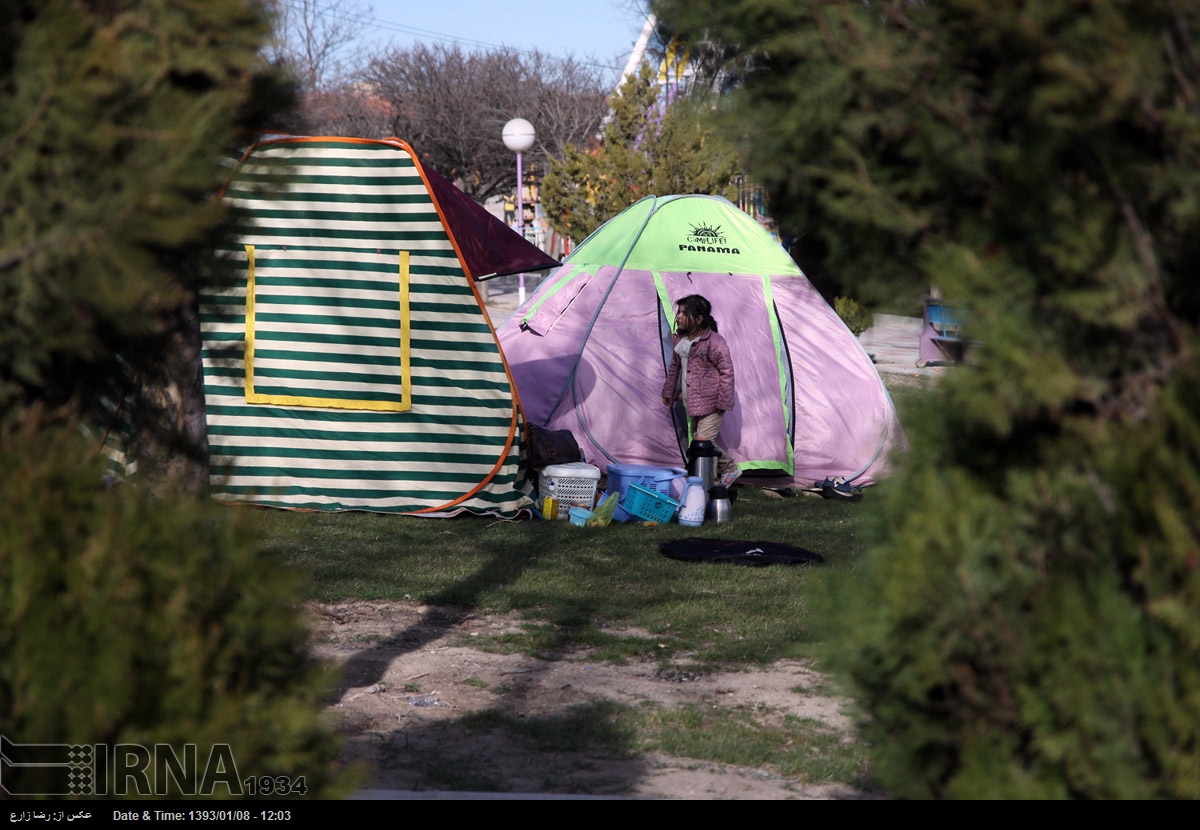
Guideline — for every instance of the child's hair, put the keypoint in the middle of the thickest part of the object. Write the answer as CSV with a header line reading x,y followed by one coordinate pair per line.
x,y
694,305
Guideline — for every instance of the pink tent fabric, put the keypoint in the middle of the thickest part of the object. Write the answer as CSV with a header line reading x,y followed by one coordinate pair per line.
x,y
589,352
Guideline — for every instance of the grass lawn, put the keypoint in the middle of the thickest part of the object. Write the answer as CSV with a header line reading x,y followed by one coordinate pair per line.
x,y
610,591
574,585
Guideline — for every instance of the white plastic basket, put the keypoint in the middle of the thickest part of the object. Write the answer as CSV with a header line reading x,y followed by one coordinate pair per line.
x,y
572,485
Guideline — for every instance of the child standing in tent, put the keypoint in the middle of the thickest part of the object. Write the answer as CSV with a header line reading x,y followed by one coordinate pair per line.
x,y
701,375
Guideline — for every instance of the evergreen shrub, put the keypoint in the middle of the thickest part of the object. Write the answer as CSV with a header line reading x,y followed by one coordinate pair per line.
x,y
856,318
1045,642
126,619
1026,620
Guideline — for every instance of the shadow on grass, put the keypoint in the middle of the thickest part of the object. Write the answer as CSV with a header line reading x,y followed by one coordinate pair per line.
x,y
514,748
580,749
597,748
520,746
579,588
446,610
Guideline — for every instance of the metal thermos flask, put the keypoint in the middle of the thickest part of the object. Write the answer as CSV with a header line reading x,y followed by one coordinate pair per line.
x,y
702,462
720,509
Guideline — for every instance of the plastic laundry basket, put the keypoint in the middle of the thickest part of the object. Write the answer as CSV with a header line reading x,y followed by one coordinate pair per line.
x,y
572,485
658,479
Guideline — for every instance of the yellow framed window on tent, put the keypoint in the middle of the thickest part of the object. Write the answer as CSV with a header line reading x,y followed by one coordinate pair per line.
x,y
328,329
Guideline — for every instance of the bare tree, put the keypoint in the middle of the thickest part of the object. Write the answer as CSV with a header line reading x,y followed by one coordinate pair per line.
x,y
352,108
452,106
311,35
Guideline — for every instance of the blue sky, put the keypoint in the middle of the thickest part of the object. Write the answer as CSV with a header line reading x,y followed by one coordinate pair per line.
x,y
602,31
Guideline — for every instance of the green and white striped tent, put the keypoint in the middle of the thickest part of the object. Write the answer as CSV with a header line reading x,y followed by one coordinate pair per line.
x,y
352,365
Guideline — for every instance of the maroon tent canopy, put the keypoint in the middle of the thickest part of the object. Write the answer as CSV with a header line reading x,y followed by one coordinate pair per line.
x,y
488,247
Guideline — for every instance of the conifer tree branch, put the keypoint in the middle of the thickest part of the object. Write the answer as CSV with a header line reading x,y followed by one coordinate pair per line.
x,y
1144,245
34,116
1185,86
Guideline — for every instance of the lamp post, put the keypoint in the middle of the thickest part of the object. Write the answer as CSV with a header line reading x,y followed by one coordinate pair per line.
x,y
518,136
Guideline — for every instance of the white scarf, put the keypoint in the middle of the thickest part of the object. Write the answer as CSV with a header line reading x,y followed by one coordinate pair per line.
x,y
682,348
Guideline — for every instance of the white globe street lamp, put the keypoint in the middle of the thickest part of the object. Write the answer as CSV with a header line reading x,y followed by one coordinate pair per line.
x,y
518,136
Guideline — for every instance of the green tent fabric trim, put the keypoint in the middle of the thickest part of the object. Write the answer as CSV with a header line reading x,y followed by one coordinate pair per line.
x,y
566,278
663,297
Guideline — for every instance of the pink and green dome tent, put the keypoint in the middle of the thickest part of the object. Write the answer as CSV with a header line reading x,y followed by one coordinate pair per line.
x,y
590,349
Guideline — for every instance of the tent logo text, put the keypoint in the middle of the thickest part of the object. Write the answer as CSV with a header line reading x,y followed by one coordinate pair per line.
x,y
707,240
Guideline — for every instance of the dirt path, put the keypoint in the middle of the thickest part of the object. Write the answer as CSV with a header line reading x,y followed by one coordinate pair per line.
x,y
423,710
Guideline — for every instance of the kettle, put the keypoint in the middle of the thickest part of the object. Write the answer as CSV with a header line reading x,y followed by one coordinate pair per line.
x,y
702,462
691,514
720,509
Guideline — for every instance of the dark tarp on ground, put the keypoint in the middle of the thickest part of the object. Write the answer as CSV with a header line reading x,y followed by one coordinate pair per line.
x,y
735,552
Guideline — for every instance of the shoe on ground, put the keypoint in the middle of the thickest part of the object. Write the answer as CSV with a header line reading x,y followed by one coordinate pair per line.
x,y
843,490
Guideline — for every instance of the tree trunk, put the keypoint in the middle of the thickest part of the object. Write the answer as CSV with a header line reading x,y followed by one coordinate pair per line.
x,y
172,436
